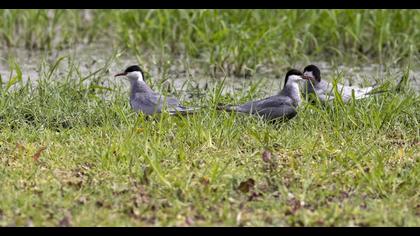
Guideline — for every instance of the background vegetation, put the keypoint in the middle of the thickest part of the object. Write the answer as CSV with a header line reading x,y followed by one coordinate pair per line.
x,y
72,153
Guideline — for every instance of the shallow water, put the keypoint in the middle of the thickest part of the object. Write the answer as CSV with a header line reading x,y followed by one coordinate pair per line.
x,y
187,81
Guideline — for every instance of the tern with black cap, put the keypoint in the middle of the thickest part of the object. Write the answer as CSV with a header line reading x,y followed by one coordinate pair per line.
x,y
144,99
278,107
325,90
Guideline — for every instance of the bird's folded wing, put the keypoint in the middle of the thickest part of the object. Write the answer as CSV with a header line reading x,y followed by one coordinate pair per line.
x,y
278,112
273,101
157,98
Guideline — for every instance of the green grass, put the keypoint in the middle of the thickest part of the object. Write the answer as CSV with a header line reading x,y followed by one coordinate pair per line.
x,y
73,153
336,165
239,42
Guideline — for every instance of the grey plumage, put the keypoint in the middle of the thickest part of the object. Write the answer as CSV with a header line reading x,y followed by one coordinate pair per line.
x,y
325,90
144,99
281,106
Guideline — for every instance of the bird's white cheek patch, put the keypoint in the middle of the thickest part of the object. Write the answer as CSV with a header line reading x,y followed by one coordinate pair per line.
x,y
135,75
309,74
295,78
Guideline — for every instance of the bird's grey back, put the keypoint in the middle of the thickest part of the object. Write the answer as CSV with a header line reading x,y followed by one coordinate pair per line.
x,y
150,103
270,107
325,90
142,98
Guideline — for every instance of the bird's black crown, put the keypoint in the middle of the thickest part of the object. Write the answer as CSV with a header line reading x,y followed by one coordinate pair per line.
x,y
315,71
133,68
292,72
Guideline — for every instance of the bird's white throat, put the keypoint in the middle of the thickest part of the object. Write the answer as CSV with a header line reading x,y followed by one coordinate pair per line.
x,y
293,83
309,74
135,75
293,87
138,85
136,80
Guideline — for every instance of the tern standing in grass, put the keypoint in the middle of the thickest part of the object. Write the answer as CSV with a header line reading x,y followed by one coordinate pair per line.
x,y
144,99
325,90
281,106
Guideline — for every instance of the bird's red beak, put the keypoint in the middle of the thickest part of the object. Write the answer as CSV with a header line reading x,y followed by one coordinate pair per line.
x,y
120,74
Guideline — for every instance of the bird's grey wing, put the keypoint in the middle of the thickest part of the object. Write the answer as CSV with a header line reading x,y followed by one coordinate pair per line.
x,y
366,90
362,92
264,105
274,107
283,111
145,103
251,107
168,103
325,98
324,91
163,100
172,105
344,91
150,103
359,93
270,108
